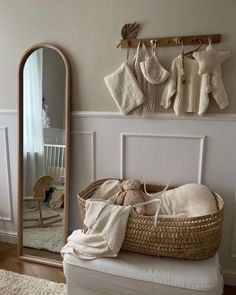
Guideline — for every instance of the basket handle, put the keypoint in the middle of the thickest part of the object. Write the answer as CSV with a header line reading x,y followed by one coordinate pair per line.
x,y
154,195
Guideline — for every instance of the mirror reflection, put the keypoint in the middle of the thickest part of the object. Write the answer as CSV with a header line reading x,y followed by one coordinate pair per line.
x,y
43,154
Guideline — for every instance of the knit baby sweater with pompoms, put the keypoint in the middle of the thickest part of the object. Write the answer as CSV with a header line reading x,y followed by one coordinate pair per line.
x,y
193,95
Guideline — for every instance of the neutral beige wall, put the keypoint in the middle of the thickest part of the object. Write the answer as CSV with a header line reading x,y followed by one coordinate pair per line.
x,y
89,31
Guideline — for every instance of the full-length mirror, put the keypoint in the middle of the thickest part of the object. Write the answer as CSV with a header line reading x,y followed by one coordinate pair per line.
x,y
44,94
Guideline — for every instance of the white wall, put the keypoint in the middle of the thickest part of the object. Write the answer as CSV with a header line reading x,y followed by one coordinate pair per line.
x,y
90,30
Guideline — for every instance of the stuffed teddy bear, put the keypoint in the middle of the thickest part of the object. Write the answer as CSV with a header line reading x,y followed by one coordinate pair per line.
x,y
132,194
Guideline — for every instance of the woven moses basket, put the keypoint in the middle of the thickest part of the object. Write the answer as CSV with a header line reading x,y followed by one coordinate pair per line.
x,y
194,238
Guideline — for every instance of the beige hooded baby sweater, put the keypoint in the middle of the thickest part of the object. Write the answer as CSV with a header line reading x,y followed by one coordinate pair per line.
x,y
192,96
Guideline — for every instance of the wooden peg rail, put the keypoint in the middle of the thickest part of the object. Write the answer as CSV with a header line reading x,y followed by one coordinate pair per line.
x,y
172,41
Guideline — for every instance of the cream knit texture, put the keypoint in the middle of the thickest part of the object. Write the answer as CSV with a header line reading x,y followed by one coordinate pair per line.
x,y
106,225
124,89
149,90
153,71
192,96
210,60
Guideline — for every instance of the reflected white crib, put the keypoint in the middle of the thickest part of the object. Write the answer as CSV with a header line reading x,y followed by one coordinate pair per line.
x,y
54,161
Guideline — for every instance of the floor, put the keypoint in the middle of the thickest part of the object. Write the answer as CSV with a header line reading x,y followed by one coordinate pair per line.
x,y
9,261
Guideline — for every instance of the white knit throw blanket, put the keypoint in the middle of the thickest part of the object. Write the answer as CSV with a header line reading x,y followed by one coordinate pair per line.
x,y
106,225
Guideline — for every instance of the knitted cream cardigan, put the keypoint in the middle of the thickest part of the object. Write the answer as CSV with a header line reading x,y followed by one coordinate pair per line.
x,y
192,96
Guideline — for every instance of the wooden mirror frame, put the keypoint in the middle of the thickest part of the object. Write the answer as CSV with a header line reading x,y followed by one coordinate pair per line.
x,y
20,150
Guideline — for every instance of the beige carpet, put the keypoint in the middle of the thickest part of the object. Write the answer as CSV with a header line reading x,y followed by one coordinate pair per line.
x,y
12,283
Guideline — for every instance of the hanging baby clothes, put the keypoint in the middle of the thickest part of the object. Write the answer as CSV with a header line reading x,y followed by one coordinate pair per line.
x,y
149,90
210,62
192,95
124,89
151,68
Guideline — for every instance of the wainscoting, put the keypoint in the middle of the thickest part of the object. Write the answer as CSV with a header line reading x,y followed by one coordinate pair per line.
x,y
161,149
5,180
8,176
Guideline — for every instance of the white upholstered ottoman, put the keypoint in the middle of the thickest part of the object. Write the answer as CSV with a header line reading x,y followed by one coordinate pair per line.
x,y
136,274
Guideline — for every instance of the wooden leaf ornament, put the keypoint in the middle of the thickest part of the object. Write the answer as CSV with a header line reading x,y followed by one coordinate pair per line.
x,y
130,31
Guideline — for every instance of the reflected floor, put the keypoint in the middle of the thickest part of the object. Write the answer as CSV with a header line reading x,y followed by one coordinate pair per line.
x,y
50,238
42,254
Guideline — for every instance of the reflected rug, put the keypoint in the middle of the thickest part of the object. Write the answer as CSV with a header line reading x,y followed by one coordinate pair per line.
x,y
46,238
12,283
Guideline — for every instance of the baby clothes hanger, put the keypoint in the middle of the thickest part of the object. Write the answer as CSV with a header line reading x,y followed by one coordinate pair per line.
x,y
194,50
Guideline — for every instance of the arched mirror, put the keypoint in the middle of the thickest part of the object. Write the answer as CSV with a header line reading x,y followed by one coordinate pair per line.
x,y
43,178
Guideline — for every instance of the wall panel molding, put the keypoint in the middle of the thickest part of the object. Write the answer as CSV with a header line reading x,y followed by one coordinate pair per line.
x,y
159,116
233,242
229,278
92,135
6,175
8,112
201,139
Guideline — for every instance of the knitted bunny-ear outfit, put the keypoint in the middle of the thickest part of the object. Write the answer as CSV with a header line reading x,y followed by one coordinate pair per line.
x,y
209,62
